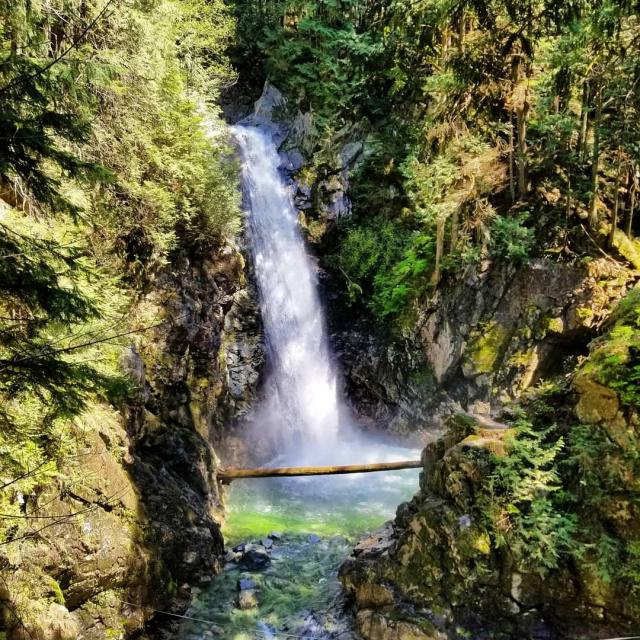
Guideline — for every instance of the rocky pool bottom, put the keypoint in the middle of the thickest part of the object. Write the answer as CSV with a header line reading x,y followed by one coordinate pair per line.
x,y
286,539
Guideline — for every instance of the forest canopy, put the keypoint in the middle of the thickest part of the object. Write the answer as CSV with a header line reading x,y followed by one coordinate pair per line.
x,y
503,128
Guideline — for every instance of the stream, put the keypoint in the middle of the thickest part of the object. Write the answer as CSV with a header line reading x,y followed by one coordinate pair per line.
x,y
286,537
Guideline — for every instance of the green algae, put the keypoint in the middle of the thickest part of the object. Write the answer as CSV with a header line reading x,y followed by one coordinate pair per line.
x,y
342,505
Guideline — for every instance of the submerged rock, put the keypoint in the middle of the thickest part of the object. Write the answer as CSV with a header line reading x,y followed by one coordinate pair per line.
x,y
231,556
246,584
255,557
247,599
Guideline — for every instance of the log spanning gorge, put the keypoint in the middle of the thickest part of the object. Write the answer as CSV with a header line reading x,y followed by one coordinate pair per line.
x,y
293,521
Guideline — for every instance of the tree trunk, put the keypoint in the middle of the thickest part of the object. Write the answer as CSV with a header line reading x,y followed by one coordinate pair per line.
x,y
632,201
617,203
455,218
512,177
584,122
440,224
521,127
227,475
522,149
595,161
567,211
462,32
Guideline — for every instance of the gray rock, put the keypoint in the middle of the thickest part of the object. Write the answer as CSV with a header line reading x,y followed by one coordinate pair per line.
x,y
255,558
275,535
302,198
267,543
314,538
189,557
291,160
349,153
245,584
271,100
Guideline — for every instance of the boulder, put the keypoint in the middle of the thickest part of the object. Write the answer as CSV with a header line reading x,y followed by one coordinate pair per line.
x,y
255,557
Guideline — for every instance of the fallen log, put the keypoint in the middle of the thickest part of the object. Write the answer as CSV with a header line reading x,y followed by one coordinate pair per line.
x,y
227,475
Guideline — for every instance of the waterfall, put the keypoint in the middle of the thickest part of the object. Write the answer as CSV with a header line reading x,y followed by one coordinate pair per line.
x,y
301,412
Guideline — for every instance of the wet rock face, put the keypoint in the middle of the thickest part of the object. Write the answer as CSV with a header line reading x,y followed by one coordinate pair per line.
x,y
387,383
244,354
145,483
319,189
200,373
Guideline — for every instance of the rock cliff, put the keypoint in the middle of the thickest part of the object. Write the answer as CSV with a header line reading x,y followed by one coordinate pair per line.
x,y
135,518
452,563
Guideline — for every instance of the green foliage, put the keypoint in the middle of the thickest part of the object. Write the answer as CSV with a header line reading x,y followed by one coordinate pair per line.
x,y
521,506
174,186
367,251
510,239
324,59
113,159
597,469
616,357
473,113
408,278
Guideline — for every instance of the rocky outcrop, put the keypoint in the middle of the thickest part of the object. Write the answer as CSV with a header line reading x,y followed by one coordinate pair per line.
x,y
503,328
424,573
448,566
387,383
317,171
436,573
196,375
85,553
478,342
133,519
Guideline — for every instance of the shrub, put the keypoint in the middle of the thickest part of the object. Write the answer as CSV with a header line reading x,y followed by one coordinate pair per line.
x,y
510,238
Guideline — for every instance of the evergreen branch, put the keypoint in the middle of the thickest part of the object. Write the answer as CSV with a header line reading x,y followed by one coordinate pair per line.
x,y
36,471
22,79
64,519
26,474
94,505
6,364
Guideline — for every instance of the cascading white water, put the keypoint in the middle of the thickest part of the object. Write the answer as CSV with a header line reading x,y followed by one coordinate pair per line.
x,y
301,409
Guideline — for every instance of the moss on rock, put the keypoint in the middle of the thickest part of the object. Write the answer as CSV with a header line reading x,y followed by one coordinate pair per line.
x,y
485,349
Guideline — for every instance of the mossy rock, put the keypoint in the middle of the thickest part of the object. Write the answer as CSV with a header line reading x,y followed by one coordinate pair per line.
x,y
485,350
628,248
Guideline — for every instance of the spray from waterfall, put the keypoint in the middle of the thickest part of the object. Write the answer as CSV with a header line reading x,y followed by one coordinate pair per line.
x,y
301,410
